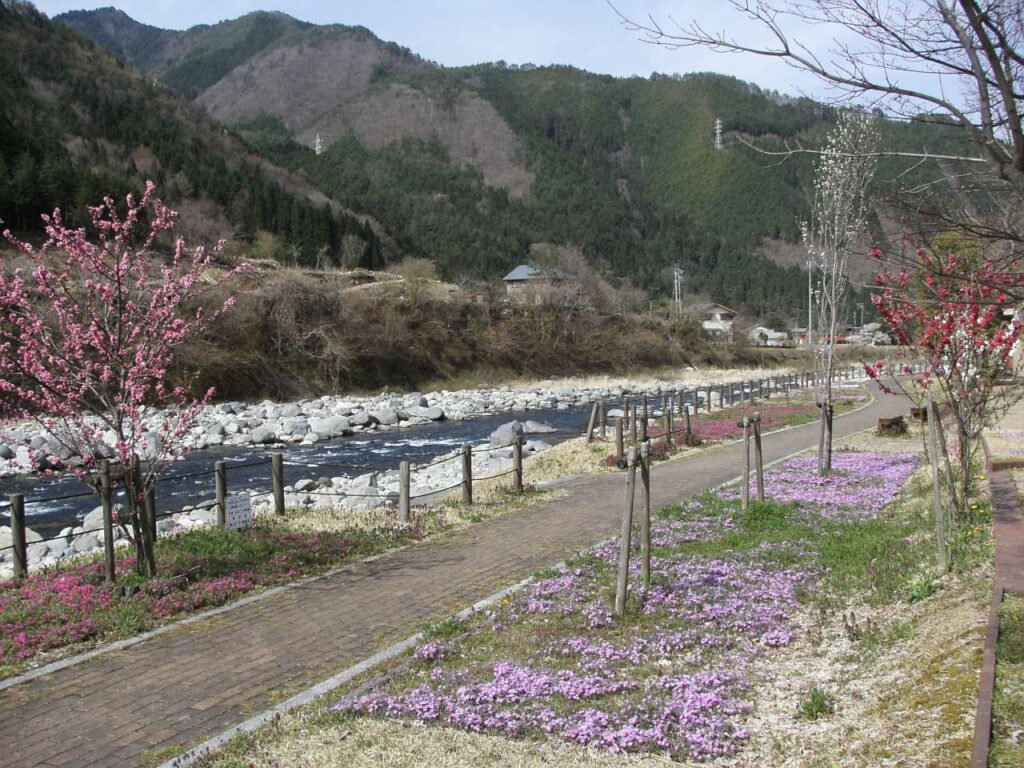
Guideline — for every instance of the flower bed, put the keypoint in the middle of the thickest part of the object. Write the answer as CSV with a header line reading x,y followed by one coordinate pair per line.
x,y
200,569
676,675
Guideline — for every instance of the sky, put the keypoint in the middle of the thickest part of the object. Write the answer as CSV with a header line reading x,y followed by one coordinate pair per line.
x,y
584,33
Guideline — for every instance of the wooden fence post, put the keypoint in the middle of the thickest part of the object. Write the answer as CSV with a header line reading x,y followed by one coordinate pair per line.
x,y
17,502
619,438
622,583
645,514
517,464
940,518
467,475
668,428
686,418
646,410
277,478
404,474
591,423
604,419
746,463
220,471
758,457
632,424
643,429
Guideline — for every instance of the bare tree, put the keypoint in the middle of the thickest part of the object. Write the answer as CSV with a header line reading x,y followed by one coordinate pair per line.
x,y
952,62
838,221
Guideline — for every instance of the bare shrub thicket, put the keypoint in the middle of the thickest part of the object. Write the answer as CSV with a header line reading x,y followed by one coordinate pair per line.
x,y
295,334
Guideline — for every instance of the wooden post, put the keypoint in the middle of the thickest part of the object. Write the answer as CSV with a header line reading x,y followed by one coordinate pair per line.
x,y
940,518
619,438
622,584
632,424
17,502
681,402
686,418
785,391
277,477
467,475
668,428
758,457
643,429
220,471
646,410
517,464
696,402
746,463
591,423
107,499
404,474
645,514
604,420
710,389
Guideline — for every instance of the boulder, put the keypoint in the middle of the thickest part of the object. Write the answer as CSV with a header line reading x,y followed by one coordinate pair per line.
x,y
507,434
6,452
305,484
262,435
86,543
362,419
332,426
386,416
216,429
295,425
428,413
290,410
537,428
152,445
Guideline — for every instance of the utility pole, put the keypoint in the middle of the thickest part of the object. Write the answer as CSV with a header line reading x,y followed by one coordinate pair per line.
x,y
319,146
718,133
860,306
677,292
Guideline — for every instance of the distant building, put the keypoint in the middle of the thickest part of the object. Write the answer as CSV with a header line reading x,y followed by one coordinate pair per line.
x,y
527,283
766,337
716,320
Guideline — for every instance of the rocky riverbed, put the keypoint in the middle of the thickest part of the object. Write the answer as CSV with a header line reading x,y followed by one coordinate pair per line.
x,y
27,448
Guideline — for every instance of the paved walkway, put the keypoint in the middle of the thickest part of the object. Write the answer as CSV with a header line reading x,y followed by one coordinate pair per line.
x,y
180,688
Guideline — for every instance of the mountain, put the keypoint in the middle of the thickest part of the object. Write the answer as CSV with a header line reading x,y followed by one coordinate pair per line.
x,y
471,166
75,125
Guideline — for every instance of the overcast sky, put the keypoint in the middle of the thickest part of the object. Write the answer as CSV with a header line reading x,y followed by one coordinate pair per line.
x,y
583,33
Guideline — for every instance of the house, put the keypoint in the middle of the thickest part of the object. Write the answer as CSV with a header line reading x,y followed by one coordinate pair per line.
x,y
525,283
766,337
716,320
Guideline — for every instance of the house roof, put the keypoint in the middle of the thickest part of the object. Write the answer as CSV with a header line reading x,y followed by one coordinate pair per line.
x,y
709,307
526,272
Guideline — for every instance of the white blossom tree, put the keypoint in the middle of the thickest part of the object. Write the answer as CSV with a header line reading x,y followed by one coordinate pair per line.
x,y
838,223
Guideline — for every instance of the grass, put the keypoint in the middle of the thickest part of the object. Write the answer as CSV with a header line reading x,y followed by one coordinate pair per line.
x,y
1008,704
817,704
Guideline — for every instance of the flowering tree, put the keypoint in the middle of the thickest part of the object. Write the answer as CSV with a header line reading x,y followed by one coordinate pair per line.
x,y
955,312
87,336
838,220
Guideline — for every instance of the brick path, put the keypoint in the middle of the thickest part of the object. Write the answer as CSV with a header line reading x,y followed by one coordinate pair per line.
x,y
180,688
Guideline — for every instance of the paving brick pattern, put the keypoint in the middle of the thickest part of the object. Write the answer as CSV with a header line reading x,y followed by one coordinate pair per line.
x,y
180,688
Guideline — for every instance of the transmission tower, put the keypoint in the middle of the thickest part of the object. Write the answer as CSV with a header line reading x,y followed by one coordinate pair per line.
x,y
718,133
319,146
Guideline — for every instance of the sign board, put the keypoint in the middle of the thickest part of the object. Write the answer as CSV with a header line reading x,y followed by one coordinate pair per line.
x,y
238,512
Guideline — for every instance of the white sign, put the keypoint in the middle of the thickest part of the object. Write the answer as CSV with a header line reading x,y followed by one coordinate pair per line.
x,y
238,512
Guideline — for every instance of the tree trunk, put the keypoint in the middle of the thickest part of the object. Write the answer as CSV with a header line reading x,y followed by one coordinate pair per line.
x,y
145,556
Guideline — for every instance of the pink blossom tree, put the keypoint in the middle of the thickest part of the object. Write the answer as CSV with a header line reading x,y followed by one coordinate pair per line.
x,y
87,336
955,312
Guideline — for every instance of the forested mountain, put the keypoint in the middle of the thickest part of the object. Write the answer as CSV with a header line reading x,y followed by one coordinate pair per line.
x,y
75,125
470,166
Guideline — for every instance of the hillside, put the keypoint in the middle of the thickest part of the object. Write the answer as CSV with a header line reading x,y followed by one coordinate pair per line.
x,y
75,125
468,167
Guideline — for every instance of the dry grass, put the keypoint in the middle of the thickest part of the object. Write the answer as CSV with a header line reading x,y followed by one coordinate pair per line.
x,y
908,699
311,740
